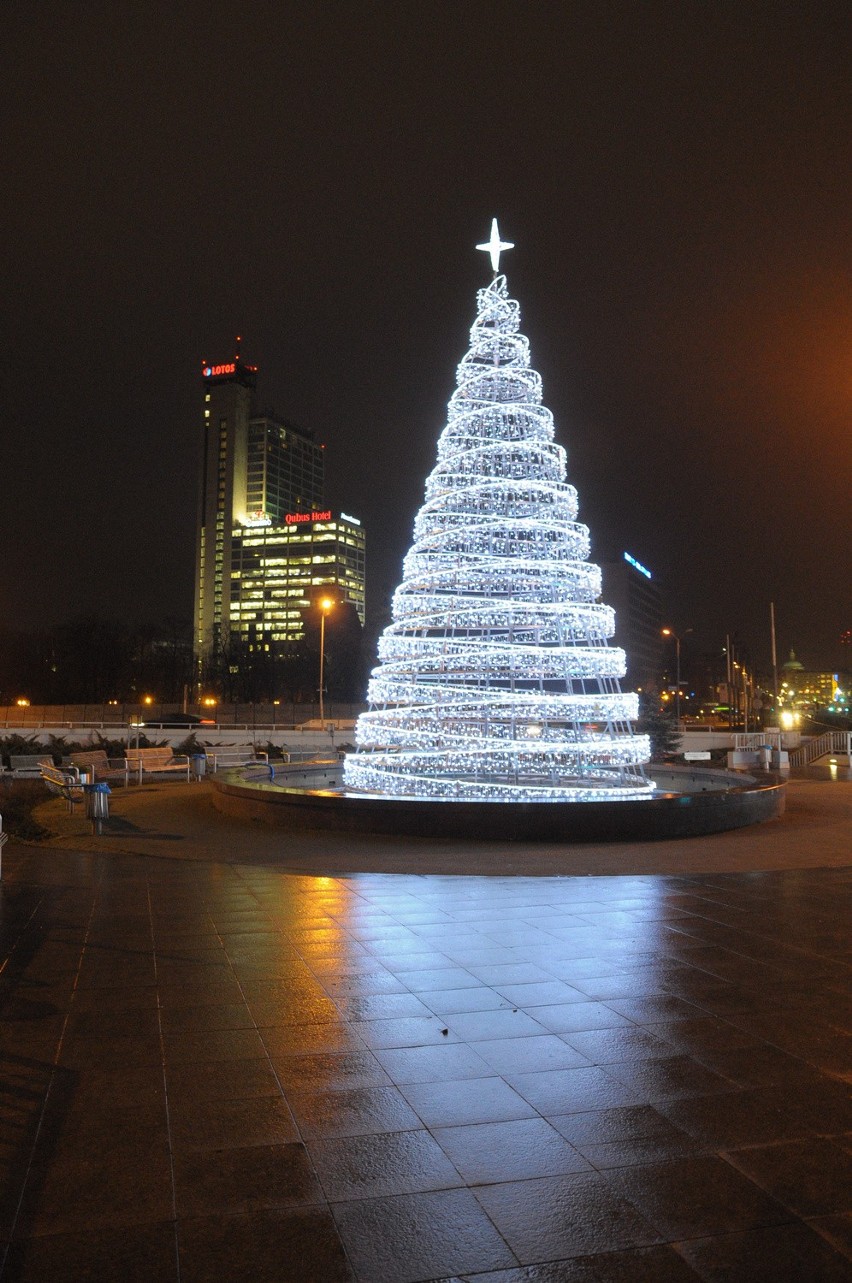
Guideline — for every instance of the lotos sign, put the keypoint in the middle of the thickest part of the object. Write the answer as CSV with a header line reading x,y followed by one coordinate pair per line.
x,y
211,371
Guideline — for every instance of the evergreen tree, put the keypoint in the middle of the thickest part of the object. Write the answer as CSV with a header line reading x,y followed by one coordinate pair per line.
x,y
659,724
495,679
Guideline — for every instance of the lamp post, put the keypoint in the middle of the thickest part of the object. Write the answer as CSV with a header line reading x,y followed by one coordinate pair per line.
x,y
668,632
325,605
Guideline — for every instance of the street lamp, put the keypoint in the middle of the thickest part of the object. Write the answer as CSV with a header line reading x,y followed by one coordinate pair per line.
x,y
667,632
325,604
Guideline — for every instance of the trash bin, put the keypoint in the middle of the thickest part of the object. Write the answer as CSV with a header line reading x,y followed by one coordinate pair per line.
x,y
97,805
198,765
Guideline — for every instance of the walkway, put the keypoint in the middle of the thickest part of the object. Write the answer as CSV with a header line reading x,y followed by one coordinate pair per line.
x,y
215,1069
177,820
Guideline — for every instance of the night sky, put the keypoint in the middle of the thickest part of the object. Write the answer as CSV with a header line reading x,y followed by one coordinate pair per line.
x,y
315,178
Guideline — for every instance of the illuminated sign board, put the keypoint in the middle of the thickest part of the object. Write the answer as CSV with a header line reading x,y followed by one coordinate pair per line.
x,y
344,516
298,518
212,371
638,565
257,519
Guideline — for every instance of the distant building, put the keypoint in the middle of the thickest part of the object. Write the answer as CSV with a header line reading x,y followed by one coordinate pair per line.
x,y
800,689
266,543
630,588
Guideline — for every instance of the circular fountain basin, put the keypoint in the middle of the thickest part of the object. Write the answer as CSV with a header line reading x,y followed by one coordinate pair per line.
x,y
688,802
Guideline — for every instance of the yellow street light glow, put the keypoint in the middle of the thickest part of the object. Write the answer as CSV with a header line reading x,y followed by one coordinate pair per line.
x,y
149,699
326,603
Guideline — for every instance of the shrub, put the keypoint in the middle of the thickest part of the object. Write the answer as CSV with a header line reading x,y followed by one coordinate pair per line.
x,y
17,800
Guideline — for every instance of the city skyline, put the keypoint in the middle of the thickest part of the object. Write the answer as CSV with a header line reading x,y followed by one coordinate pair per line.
x,y
674,185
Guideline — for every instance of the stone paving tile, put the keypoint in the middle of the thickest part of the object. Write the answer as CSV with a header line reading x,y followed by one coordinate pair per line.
x,y
413,1031
432,1064
566,1091
487,1153
371,1166
489,1026
270,1246
577,1017
93,1187
221,1080
329,1072
633,1265
792,1251
143,1254
476,1100
670,1077
415,1237
735,1118
563,1216
447,1002
352,1111
605,1046
694,1196
204,1019
244,1179
510,1056
543,993
181,1047
812,1176
230,1124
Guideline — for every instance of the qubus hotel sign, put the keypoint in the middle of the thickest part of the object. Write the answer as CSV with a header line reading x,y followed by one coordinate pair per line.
x,y
298,518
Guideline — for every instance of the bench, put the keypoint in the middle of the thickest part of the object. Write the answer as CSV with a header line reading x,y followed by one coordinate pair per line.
x,y
63,783
28,766
155,761
100,766
230,757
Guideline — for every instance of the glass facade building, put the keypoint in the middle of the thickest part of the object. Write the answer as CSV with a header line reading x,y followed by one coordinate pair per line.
x,y
278,571
266,543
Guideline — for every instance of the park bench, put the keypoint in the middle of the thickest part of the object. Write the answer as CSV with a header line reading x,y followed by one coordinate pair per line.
x,y
63,783
102,767
27,766
155,761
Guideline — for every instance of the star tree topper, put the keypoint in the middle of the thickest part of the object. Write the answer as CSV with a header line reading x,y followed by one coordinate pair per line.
x,y
494,246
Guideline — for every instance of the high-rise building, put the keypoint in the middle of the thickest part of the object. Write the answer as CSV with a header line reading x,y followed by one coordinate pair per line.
x,y
266,542
632,591
228,391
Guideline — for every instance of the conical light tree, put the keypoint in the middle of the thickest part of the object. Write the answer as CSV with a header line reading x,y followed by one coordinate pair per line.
x,y
496,680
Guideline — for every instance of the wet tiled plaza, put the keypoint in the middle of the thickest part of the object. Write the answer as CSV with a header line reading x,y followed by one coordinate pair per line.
x,y
223,1071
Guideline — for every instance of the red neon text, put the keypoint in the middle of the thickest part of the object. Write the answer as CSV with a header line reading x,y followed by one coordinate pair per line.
x,y
293,518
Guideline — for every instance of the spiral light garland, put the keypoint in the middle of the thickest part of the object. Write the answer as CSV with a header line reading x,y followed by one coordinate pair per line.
x,y
496,681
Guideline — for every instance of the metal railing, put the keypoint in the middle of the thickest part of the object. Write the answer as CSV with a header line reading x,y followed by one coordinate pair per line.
x,y
757,739
829,742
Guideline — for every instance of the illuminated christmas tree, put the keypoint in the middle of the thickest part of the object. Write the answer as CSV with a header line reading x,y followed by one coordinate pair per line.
x,y
496,681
